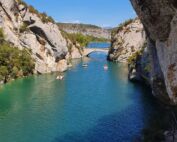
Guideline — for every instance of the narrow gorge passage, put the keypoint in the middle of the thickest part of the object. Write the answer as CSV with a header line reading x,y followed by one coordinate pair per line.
x,y
89,105
88,71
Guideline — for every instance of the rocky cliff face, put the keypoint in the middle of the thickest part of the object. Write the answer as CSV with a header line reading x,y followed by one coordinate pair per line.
x,y
85,29
24,27
160,21
127,39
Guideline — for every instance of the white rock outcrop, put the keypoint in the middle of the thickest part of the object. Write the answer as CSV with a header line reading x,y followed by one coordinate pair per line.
x,y
44,40
127,40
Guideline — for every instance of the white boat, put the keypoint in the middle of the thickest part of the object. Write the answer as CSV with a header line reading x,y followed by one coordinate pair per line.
x,y
60,77
85,65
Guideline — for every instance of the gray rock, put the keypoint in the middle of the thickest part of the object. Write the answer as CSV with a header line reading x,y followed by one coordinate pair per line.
x,y
44,40
127,41
160,21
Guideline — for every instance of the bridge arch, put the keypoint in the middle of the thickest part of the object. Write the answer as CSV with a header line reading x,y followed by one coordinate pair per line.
x,y
89,51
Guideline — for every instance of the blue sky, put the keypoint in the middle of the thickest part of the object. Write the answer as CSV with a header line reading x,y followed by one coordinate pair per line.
x,y
106,13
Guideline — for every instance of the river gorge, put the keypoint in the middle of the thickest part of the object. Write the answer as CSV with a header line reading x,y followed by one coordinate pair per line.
x,y
90,105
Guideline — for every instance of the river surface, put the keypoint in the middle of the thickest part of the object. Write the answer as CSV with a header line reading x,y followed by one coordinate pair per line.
x,y
89,105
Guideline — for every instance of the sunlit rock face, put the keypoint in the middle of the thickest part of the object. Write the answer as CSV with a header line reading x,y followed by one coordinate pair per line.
x,y
127,40
25,29
159,18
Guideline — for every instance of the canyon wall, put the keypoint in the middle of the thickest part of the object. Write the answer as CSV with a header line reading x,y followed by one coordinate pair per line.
x,y
25,27
160,23
126,40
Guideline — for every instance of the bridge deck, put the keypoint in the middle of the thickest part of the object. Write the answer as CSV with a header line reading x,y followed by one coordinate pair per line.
x,y
88,51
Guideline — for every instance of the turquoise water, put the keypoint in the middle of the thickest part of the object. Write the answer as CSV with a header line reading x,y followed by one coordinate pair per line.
x,y
89,105
98,45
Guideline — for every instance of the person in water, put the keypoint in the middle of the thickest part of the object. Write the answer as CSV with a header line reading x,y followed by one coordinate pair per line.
x,y
105,67
60,77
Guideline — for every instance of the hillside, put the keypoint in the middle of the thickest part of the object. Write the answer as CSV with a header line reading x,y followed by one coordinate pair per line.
x,y
85,29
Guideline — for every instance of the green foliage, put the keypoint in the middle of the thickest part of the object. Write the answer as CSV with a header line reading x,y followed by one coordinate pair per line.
x,y
134,56
147,68
45,18
121,26
83,40
23,28
77,27
3,72
33,10
1,34
14,63
22,2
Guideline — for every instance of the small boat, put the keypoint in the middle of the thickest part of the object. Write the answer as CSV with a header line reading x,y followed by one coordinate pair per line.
x,y
84,65
60,77
105,67
70,65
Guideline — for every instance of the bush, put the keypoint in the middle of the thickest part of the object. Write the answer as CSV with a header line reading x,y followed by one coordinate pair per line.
x,y
2,37
22,2
23,28
133,57
83,40
14,63
32,10
45,18
121,26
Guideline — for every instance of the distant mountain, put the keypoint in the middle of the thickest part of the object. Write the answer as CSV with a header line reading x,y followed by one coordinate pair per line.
x,y
85,29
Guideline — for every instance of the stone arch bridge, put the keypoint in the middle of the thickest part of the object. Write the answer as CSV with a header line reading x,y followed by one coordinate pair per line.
x,y
88,51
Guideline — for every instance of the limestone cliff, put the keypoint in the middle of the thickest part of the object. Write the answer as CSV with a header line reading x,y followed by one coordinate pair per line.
x,y
25,27
127,39
160,21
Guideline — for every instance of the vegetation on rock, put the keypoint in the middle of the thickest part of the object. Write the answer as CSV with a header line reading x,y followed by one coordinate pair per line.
x,y
23,28
80,27
135,55
83,40
121,26
43,16
14,63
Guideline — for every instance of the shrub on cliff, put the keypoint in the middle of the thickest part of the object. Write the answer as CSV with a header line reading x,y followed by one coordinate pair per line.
x,y
1,35
45,18
14,63
121,26
32,10
23,28
133,57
